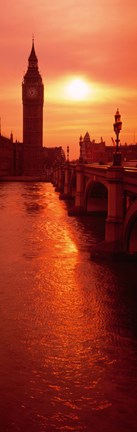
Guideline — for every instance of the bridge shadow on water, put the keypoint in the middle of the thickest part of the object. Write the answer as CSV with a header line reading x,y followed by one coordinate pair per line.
x,y
91,225
121,270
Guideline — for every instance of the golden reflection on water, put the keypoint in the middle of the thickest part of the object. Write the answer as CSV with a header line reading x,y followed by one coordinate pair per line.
x,y
61,236
57,315
70,342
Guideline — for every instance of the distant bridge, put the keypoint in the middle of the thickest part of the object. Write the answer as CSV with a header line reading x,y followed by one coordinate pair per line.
x,y
108,189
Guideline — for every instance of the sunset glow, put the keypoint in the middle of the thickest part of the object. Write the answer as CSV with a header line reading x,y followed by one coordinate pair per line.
x,y
77,89
87,58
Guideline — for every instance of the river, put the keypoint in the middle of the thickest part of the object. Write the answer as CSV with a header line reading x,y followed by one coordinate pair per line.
x,y
68,325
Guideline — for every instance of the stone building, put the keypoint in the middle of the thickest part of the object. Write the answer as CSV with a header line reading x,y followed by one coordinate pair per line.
x,y
33,100
11,157
91,151
29,159
26,159
52,157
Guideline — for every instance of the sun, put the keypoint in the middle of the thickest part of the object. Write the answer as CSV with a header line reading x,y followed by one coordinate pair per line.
x,y
77,89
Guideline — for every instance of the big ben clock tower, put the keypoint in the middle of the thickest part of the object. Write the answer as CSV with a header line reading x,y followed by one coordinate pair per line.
x,y
33,99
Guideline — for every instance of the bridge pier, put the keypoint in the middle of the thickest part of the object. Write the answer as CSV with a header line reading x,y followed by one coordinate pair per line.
x,y
112,246
114,221
55,178
78,207
59,186
65,194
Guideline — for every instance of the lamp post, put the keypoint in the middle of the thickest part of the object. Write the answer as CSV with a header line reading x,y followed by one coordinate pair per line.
x,y
117,128
80,144
67,153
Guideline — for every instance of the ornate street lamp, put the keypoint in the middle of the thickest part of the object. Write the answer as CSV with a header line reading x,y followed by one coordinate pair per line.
x,y
80,145
67,153
117,128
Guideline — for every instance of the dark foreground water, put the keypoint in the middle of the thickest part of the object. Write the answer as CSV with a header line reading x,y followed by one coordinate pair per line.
x,y
68,326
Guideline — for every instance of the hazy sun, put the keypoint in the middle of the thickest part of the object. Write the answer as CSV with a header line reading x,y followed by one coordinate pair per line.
x,y
77,89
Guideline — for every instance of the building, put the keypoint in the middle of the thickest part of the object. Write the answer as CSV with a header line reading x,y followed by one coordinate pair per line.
x,y
26,159
33,99
90,151
52,157
11,157
6,156
29,159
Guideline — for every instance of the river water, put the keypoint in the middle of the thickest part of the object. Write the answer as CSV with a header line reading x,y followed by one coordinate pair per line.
x,y
68,325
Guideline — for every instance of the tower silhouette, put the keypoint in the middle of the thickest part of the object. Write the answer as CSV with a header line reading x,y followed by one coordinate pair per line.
x,y
33,99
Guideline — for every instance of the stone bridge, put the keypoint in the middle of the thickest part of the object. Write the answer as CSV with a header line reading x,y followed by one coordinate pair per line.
x,y
111,190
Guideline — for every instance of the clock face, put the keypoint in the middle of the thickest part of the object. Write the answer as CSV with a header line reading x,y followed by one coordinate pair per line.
x,y
32,92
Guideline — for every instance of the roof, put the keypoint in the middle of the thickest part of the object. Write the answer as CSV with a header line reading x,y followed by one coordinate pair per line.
x,y
32,56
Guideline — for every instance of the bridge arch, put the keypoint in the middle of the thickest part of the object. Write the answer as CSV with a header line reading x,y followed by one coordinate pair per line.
x,y
130,229
96,197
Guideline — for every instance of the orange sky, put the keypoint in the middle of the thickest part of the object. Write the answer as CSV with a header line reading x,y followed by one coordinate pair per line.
x,y
93,40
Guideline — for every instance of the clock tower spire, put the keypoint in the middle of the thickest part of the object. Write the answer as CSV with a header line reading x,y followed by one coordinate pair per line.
x,y
33,99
